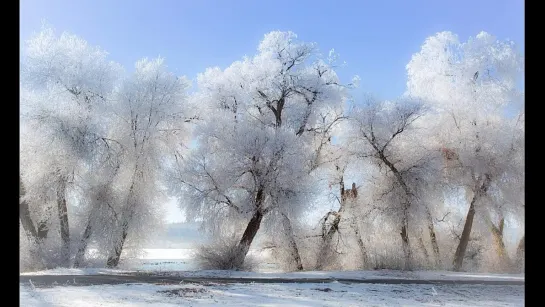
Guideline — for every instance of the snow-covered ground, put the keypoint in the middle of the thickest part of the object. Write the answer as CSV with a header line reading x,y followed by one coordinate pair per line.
x,y
329,294
180,262
379,274
155,260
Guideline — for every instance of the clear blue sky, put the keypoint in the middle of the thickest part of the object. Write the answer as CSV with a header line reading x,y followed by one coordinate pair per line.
x,y
376,38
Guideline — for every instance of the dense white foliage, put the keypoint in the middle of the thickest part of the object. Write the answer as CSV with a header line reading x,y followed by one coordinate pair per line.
x,y
477,115
96,138
265,124
264,142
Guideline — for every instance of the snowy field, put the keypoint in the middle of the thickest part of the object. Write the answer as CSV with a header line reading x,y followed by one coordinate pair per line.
x,y
179,262
330,294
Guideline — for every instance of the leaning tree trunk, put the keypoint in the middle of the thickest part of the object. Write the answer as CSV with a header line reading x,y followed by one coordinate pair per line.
x,y
423,248
501,251
347,196
247,238
464,239
85,238
433,239
292,244
62,212
520,255
113,260
326,239
126,219
80,255
30,230
406,246
361,245
24,215
243,245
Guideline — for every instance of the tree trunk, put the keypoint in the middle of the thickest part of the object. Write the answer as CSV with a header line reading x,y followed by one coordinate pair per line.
x,y
43,230
406,246
326,239
292,243
30,231
24,215
361,245
503,256
62,211
80,255
520,255
251,230
345,198
247,239
464,239
113,260
433,239
126,218
423,248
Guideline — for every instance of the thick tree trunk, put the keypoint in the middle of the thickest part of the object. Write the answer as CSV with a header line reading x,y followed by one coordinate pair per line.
x,y
433,239
62,211
292,244
251,230
520,255
464,239
247,239
80,255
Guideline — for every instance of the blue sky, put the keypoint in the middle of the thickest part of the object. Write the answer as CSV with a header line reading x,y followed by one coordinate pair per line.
x,y
376,38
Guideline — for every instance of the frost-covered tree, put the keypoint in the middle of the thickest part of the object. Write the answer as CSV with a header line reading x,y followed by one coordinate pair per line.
x,y
387,135
148,116
266,121
473,89
64,82
98,205
350,210
92,142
